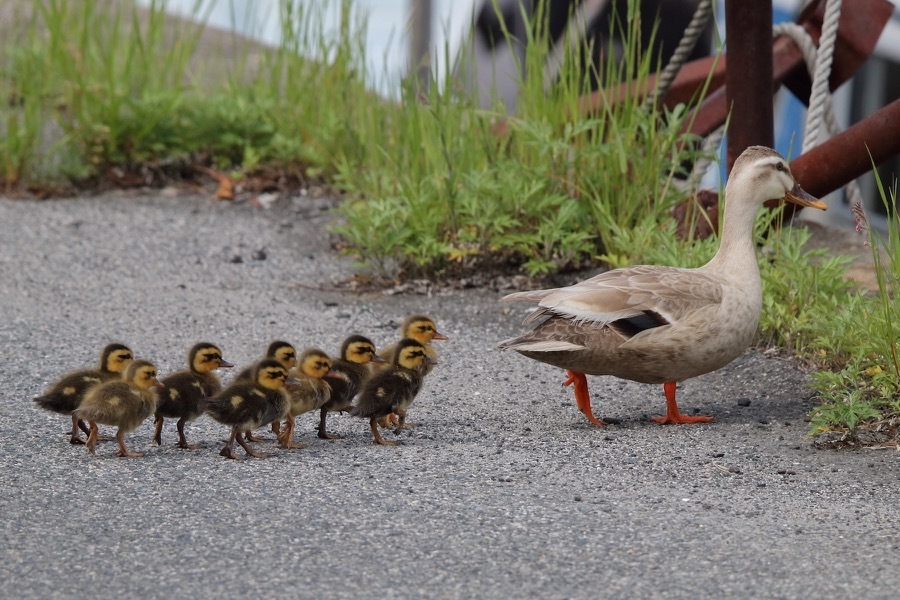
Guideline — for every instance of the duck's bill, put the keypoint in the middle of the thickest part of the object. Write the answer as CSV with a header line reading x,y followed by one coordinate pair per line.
x,y
224,364
798,196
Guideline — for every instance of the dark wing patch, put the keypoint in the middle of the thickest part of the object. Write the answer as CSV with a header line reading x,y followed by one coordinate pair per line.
x,y
631,326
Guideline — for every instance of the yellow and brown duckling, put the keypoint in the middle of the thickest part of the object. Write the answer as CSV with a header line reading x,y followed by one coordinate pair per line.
x,y
282,351
66,395
124,404
246,405
183,390
286,354
350,370
393,390
422,329
310,393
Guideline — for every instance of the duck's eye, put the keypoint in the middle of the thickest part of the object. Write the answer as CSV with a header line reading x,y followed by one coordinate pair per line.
x,y
288,355
780,167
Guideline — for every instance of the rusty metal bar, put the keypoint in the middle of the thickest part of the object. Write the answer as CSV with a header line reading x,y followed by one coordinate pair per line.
x,y
844,157
748,79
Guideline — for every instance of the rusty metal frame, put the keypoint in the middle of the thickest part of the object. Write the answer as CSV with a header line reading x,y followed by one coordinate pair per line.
x,y
823,169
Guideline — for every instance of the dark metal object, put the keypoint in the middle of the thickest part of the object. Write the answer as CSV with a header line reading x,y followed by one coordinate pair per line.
x,y
748,81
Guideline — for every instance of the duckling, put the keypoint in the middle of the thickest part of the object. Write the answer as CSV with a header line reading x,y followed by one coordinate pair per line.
x,y
124,403
392,390
281,351
286,354
422,329
247,405
311,391
185,389
67,393
351,369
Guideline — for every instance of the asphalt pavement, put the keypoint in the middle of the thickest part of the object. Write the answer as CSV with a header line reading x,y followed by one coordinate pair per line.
x,y
502,490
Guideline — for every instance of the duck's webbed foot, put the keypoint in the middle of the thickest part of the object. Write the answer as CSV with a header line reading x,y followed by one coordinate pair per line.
x,y
373,425
250,451
323,433
123,451
248,435
672,414
582,395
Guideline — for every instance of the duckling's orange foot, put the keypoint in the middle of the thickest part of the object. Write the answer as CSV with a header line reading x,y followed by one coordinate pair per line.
x,y
256,454
186,446
75,439
582,395
329,436
250,451
376,435
252,438
680,418
228,452
127,454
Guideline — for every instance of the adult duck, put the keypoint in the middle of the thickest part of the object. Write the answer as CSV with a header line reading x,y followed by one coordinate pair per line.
x,y
659,324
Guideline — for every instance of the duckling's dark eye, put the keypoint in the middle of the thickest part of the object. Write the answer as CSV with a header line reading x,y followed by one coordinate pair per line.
x,y
780,167
288,355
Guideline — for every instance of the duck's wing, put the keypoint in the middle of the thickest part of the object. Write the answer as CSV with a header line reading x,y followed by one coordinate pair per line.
x,y
655,294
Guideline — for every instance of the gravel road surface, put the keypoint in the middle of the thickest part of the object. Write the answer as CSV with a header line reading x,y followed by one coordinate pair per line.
x,y
503,490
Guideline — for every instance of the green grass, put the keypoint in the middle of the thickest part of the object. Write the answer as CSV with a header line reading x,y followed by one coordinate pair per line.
x,y
860,390
433,186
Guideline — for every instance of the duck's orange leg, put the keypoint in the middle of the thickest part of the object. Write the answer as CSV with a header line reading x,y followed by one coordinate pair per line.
x,y
582,395
672,414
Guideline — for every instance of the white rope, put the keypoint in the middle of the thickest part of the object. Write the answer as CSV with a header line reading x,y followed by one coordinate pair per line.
x,y
821,71
688,40
820,108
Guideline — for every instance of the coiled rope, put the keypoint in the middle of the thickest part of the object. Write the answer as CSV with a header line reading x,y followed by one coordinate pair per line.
x,y
818,62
